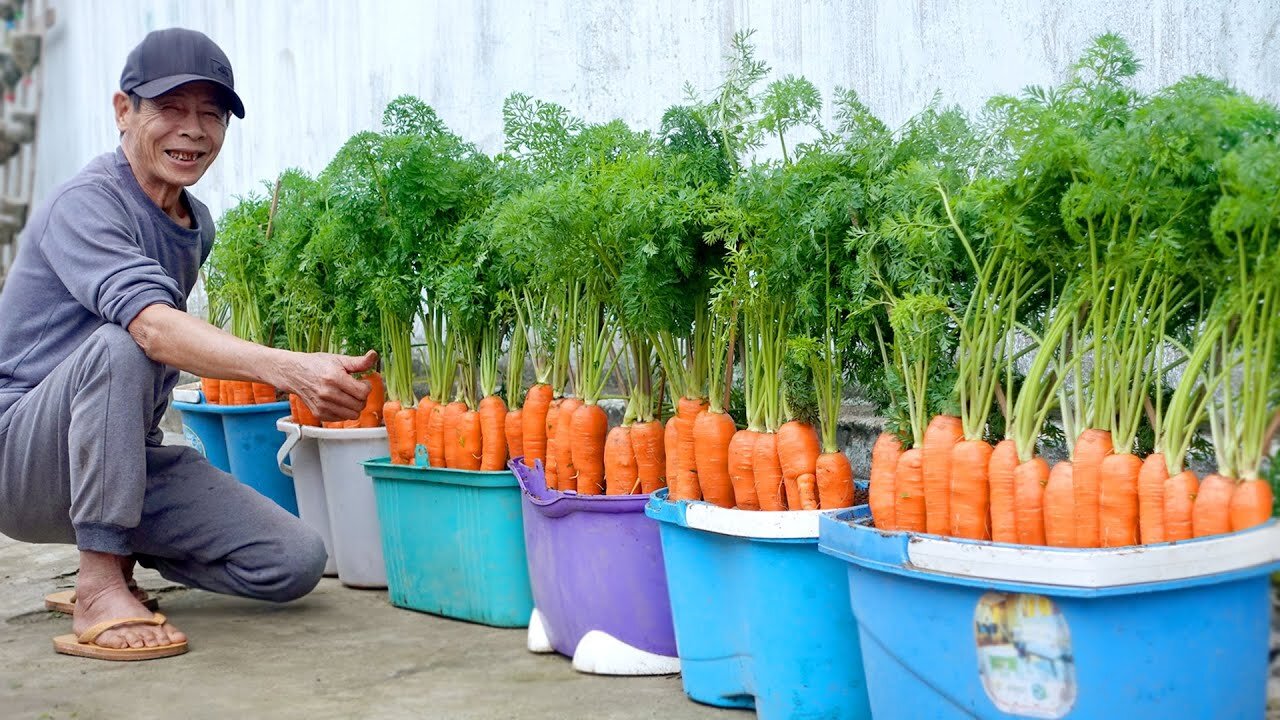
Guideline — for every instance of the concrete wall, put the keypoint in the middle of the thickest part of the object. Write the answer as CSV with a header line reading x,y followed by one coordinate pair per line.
x,y
313,72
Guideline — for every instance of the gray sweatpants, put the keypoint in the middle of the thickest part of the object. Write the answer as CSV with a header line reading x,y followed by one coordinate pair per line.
x,y
81,462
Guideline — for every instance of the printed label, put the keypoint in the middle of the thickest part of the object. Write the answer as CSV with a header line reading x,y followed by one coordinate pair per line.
x,y
1024,655
194,440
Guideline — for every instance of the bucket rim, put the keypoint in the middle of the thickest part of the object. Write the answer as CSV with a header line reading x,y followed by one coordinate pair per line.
x,y
323,433
554,503
215,409
754,524
382,469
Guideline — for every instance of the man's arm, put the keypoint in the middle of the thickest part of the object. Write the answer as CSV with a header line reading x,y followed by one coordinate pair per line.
x,y
323,380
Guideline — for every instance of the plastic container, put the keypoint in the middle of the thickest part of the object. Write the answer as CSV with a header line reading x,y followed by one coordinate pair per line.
x,y
599,585
353,511
303,453
454,542
761,618
250,441
967,629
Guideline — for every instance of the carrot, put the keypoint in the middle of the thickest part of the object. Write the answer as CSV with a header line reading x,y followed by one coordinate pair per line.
x,y
807,486
908,482
835,481
293,407
422,428
1118,500
712,434
1211,512
332,424
534,425
621,475
1059,506
371,416
1179,499
470,440
647,439
686,463
552,464
493,421
242,391
670,461
884,468
1000,475
305,416
212,390
1028,495
767,472
970,502
452,442
1151,480
226,392
1251,504
584,435
263,393
435,436
405,444
1091,448
940,439
798,450
566,466
515,433
389,410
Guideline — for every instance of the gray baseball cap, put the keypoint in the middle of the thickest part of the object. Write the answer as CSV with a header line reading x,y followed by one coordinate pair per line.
x,y
168,58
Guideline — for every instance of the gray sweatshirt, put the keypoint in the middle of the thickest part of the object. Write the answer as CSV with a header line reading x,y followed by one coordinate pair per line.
x,y
97,251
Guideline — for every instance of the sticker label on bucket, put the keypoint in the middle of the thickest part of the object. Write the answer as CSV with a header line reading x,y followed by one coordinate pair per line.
x,y
1024,654
194,440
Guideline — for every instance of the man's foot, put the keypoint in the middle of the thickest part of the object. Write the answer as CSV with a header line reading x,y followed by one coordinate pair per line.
x,y
127,564
103,594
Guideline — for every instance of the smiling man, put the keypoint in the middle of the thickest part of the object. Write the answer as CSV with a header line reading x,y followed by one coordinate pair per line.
x,y
93,331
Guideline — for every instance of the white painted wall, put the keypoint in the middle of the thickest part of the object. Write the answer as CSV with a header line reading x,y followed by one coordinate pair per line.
x,y
313,72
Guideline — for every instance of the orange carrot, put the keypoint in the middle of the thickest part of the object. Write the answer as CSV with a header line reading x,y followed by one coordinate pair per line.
x,y
1091,448
686,452
1000,475
767,472
647,439
566,468
1118,500
452,442
435,436
212,390
908,483
1059,506
226,392
798,451
470,440
305,416
970,503
712,433
620,473
534,425
1251,504
389,410
493,421
1211,512
1151,479
1028,495
263,393
884,468
404,435
552,463
940,439
670,459
807,486
422,428
371,416
1179,499
515,433
242,391
293,408
585,435
835,481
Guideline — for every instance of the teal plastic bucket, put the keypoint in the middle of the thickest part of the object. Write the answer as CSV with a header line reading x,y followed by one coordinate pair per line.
x,y
453,541
249,440
761,617
968,629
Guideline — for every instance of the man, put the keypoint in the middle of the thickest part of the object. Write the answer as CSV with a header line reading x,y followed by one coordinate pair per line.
x,y
93,331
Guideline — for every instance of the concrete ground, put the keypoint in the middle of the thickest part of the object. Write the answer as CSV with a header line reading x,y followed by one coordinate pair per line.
x,y
338,653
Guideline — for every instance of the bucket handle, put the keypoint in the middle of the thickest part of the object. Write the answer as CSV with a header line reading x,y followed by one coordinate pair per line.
x,y
292,437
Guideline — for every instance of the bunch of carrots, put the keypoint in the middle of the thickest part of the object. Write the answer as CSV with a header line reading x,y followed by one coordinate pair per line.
x,y
236,392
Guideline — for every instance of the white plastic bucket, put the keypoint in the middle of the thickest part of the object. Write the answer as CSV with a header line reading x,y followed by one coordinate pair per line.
x,y
353,511
303,454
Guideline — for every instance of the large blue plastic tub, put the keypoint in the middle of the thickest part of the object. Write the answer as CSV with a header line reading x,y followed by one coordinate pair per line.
x,y
968,629
453,541
761,618
244,439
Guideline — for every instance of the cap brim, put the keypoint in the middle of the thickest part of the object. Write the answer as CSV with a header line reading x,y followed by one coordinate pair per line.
x,y
160,86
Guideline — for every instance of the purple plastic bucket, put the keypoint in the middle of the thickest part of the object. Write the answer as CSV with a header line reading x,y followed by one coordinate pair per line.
x,y
595,564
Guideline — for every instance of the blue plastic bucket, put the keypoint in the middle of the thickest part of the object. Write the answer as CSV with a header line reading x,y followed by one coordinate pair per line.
x,y
250,440
967,629
202,427
453,541
761,618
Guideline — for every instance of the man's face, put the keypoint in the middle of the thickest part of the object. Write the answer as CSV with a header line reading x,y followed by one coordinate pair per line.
x,y
174,137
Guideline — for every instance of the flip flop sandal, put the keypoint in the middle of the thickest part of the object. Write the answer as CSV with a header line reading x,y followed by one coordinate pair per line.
x,y
83,646
65,602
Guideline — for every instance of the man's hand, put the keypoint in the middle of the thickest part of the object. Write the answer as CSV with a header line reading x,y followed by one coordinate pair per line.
x,y
324,382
